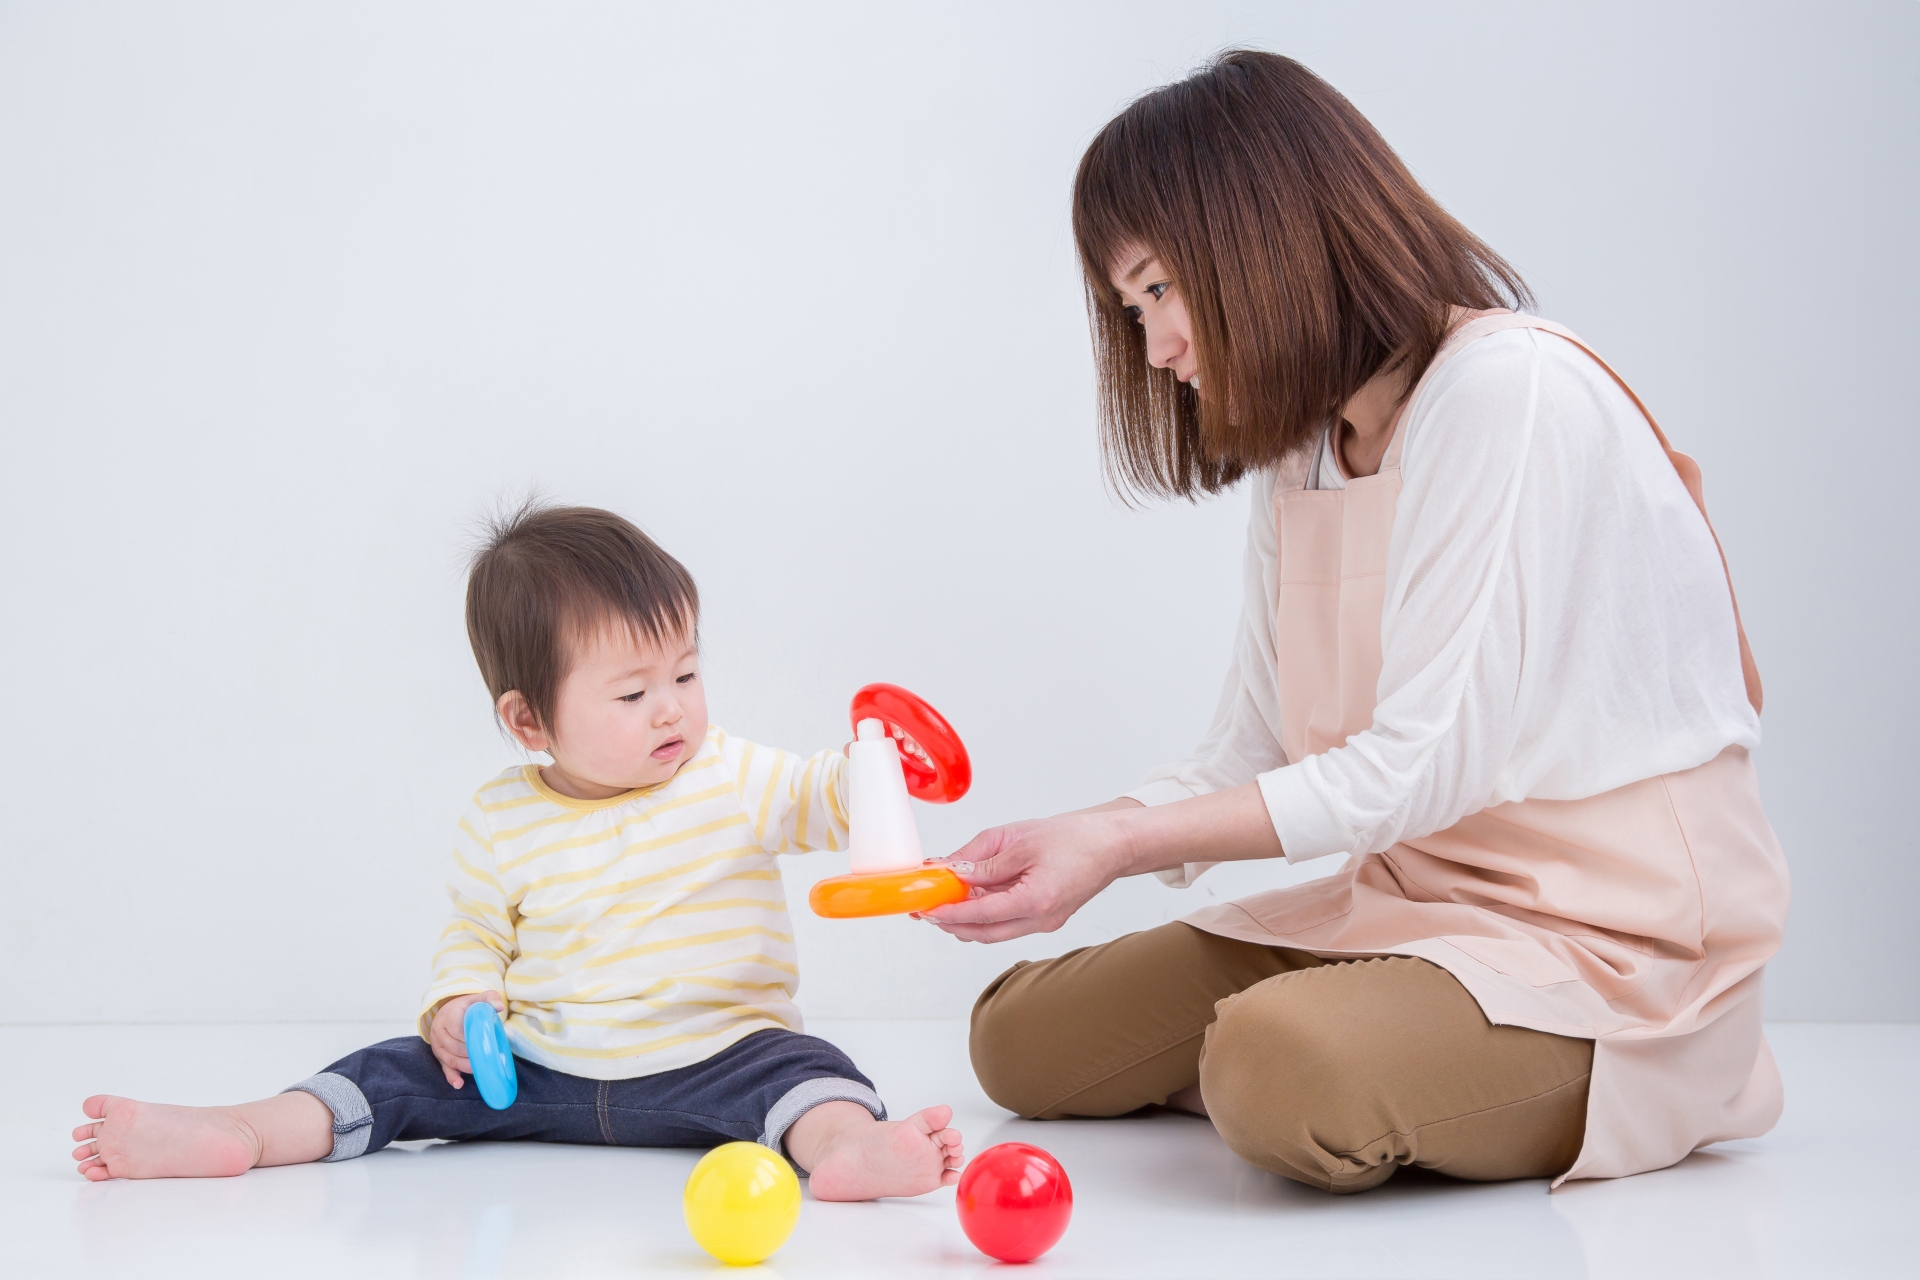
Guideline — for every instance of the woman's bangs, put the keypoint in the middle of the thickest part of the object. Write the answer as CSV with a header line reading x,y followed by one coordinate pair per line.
x,y
1112,215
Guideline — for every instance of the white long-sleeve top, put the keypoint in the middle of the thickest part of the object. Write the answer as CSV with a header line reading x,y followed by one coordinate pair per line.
x,y
1557,619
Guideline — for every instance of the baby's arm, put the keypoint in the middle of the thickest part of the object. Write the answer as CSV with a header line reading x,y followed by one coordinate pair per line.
x,y
475,948
797,803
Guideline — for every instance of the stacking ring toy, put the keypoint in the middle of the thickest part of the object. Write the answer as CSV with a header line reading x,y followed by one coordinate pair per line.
x,y
935,768
490,1056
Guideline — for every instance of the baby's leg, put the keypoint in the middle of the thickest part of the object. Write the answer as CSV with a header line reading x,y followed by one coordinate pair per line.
x,y
849,1155
798,1094
129,1139
387,1092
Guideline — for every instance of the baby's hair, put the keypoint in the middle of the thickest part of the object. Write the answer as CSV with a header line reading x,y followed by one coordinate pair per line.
x,y
546,578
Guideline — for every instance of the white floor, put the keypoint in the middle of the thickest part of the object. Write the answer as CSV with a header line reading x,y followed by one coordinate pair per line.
x,y
1833,1191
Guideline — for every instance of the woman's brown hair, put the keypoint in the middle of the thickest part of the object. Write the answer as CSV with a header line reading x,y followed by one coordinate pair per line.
x,y
1308,257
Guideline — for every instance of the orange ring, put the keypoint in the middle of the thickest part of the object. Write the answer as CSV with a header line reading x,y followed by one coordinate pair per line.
x,y
886,893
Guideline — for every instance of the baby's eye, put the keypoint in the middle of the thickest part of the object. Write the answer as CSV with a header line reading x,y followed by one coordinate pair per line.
x,y
633,697
1158,291
685,678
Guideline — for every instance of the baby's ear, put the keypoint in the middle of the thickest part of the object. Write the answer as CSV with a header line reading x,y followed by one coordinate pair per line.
x,y
517,714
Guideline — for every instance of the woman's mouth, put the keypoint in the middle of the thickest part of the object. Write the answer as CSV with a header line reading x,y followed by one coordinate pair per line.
x,y
669,749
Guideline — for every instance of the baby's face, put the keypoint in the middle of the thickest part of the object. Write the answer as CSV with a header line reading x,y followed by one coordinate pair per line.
x,y
628,714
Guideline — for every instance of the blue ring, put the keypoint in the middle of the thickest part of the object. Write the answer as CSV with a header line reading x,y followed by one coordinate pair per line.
x,y
490,1056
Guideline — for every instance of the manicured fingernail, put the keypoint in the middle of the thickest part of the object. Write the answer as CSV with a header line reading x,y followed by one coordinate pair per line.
x,y
957,865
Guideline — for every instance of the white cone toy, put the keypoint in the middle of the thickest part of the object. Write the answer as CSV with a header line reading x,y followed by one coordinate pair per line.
x,y
884,834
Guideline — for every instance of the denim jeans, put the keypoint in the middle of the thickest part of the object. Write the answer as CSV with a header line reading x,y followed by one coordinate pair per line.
x,y
753,1090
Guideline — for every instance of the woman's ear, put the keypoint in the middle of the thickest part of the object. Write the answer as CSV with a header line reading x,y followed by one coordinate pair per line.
x,y
517,714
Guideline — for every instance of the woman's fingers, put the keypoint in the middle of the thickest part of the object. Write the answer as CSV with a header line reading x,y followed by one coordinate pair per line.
x,y
989,908
1000,932
999,864
981,847
979,861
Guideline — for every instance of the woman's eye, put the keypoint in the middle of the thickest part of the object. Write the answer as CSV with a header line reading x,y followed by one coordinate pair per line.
x,y
1158,291
633,697
1131,313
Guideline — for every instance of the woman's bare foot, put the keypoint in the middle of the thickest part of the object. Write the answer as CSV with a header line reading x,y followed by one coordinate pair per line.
x,y
129,1139
851,1156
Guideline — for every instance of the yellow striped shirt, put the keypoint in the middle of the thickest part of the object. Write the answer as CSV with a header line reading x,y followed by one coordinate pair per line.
x,y
644,932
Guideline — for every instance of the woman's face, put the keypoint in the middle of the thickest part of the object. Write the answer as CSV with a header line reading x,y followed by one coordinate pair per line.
x,y
1146,291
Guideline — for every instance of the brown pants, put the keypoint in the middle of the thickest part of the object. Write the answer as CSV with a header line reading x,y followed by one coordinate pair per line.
x,y
1330,1073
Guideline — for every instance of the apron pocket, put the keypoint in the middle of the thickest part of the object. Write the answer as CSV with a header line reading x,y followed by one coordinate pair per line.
x,y
1530,962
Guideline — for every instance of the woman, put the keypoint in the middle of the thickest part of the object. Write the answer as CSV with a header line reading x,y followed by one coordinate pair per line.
x,y
1490,649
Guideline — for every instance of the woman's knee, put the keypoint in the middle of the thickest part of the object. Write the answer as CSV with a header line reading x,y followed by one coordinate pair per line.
x,y
1105,1030
1278,1081
1337,1076
1012,1065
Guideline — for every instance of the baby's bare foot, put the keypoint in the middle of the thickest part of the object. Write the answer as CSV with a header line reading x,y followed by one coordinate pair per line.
x,y
131,1139
890,1158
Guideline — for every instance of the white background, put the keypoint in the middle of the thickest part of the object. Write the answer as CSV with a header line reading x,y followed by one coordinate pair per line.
x,y
291,295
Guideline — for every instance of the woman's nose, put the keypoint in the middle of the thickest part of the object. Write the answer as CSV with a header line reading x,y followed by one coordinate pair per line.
x,y
1164,347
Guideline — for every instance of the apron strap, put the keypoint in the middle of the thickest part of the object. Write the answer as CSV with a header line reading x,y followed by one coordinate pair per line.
x,y
1481,323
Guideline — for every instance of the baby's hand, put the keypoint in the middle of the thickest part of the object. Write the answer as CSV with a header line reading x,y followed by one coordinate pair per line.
x,y
449,1034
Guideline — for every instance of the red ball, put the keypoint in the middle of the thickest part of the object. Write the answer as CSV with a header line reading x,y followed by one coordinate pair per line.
x,y
1014,1202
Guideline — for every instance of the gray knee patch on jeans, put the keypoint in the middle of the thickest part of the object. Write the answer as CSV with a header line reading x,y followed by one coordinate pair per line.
x,y
352,1117
803,1098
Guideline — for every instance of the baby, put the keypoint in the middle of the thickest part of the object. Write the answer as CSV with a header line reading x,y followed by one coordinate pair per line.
x,y
621,907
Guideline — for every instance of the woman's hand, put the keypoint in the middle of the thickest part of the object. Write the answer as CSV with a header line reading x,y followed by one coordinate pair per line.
x,y
449,1033
1030,877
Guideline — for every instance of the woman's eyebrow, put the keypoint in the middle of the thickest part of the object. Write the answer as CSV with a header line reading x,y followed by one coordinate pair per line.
x,y
1138,267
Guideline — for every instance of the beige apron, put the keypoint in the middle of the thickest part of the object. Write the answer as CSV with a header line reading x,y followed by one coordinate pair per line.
x,y
1639,918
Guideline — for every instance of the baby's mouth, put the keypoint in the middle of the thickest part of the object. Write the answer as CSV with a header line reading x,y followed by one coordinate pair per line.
x,y
669,749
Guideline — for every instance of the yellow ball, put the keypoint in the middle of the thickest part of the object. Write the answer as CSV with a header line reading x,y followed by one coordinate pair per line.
x,y
742,1202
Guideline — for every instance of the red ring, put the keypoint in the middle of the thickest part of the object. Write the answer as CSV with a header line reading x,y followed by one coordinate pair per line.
x,y
943,773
